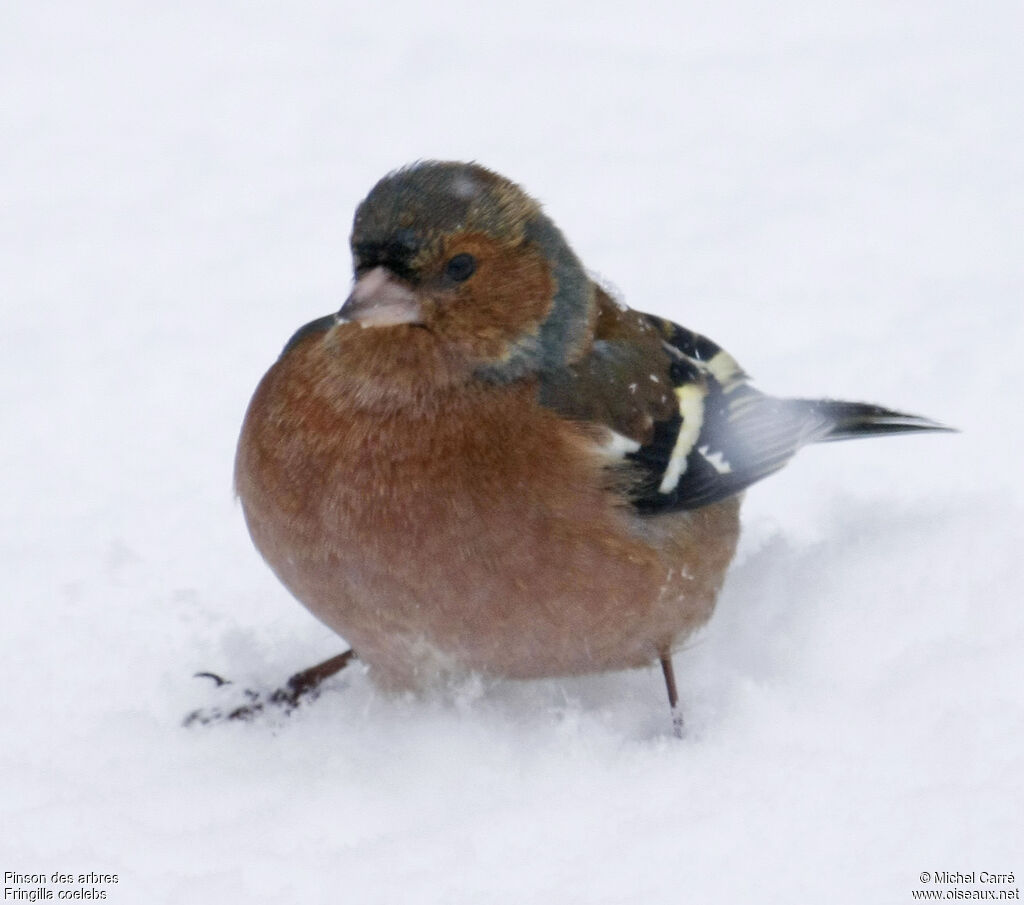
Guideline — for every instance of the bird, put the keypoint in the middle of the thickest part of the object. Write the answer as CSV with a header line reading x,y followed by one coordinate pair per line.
x,y
486,464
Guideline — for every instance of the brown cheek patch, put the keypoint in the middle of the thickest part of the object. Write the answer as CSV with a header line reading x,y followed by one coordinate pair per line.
x,y
507,298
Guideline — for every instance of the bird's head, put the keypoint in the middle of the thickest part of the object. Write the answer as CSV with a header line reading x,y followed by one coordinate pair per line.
x,y
465,254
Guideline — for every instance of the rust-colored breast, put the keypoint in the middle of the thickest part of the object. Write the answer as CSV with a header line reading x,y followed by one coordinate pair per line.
x,y
441,524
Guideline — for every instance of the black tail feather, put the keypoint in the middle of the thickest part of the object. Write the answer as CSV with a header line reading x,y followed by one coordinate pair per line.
x,y
850,420
746,436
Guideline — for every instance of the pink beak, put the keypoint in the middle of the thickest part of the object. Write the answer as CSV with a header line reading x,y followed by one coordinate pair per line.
x,y
379,300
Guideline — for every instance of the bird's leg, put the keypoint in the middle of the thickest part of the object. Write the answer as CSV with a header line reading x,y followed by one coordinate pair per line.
x,y
673,694
302,685
307,681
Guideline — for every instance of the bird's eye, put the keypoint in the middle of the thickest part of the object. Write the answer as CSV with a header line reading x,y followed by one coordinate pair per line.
x,y
460,268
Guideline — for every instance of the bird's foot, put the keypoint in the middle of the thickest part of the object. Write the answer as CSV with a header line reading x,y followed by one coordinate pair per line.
x,y
677,722
303,686
673,695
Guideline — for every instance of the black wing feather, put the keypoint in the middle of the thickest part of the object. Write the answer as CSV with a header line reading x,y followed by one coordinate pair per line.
x,y
744,435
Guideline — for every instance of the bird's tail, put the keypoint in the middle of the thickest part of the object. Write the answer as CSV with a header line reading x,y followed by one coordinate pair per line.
x,y
851,420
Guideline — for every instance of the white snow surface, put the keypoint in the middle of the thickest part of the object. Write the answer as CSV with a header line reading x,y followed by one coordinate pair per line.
x,y
833,192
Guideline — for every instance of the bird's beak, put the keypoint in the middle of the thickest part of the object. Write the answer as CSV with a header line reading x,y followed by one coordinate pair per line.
x,y
379,300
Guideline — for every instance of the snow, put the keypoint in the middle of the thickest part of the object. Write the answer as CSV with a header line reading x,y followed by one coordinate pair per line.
x,y
833,192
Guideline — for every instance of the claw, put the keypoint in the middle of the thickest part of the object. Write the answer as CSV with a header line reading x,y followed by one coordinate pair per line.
x,y
212,675
302,685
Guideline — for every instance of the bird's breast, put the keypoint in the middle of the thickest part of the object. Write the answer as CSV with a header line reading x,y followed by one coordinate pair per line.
x,y
461,526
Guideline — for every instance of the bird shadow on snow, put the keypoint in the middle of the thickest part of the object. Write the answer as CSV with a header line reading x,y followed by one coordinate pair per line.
x,y
774,600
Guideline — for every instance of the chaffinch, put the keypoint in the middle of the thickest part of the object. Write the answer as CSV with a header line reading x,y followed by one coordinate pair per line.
x,y
483,463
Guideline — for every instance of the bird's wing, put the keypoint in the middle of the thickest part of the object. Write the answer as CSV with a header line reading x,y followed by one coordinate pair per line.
x,y
680,410
726,435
